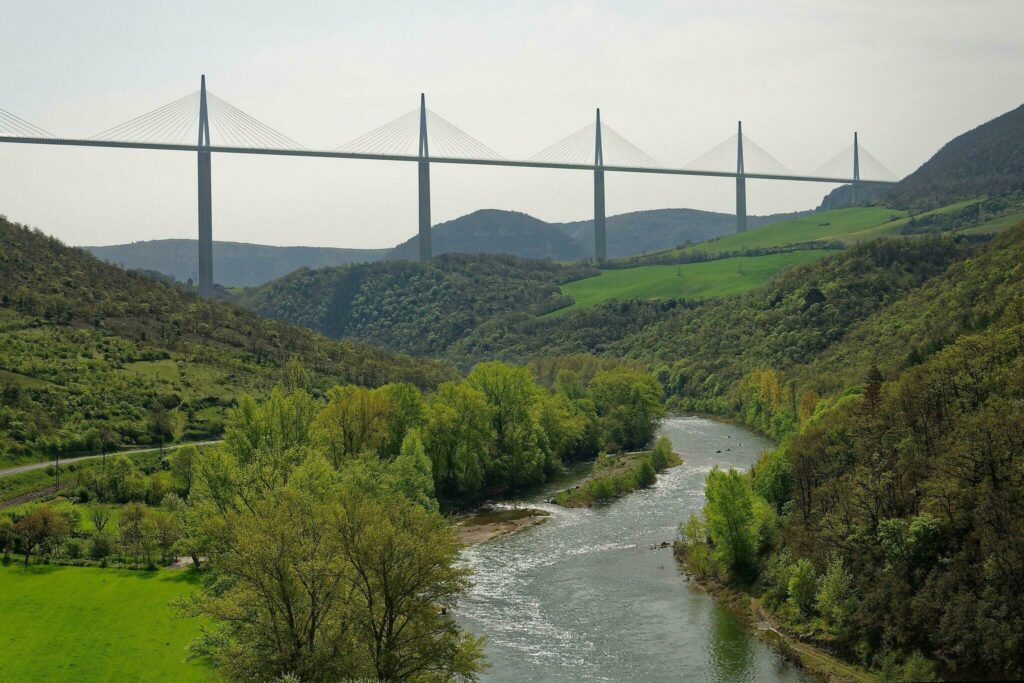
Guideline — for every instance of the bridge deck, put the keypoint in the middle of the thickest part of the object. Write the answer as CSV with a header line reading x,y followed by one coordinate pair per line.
x,y
334,154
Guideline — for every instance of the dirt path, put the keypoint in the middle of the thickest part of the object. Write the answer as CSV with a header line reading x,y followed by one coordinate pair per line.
x,y
67,461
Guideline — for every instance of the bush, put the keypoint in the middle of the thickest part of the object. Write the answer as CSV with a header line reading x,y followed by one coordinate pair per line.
x,y
646,476
803,586
661,454
101,547
73,548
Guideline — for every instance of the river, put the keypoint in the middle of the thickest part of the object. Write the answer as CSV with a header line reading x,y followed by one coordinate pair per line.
x,y
584,597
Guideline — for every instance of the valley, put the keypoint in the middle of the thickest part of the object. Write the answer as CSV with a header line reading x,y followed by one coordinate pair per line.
x,y
513,461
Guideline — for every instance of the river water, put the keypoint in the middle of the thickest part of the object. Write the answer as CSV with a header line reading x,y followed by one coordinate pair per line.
x,y
584,597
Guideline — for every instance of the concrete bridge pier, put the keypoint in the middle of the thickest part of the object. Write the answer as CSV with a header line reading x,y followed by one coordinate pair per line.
x,y
600,242
205,198
424,184
741,183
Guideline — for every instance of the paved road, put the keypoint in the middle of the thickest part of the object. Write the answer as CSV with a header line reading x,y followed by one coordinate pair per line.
x,y
67,461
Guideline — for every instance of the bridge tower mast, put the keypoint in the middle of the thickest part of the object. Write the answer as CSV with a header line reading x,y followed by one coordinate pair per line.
x,y
205,198
424,168
856,169
741,183
600,247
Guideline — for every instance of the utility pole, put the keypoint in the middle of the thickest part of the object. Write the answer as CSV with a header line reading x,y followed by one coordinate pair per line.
x,y
856,170
424,167
741,183
600,244
205,198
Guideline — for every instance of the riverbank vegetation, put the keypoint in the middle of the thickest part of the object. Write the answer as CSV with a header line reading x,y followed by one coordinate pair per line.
x,y
887,527
614,476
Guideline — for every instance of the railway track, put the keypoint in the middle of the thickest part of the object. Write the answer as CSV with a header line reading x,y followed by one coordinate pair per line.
x,y
31,495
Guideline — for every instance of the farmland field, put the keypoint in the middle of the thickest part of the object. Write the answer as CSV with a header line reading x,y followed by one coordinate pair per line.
x,y
688,281
83,623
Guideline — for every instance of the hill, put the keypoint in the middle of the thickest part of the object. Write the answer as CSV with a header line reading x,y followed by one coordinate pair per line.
x,y
641,232
87,348
988,160
420,308
236,264
490,231
702,347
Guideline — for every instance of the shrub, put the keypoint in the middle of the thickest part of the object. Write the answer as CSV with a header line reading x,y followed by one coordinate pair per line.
x,y
803,586
646,476
661,454
73,549
101,547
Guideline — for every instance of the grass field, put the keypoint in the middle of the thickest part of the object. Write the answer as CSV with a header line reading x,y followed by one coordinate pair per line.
x,y
88,624
840,224
689,281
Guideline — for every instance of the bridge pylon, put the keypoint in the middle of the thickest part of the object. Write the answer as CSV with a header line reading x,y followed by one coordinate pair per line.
x,y
205,197
600,243
424,171
741,183
856,170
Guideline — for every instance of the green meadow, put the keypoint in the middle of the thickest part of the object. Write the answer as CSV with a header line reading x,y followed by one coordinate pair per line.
x,y
85,623
709,279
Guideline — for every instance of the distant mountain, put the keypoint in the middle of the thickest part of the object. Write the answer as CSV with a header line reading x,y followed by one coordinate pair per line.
x,y
491,231
988,160
235,264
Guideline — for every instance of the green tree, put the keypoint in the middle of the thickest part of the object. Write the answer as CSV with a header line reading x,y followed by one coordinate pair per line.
x,y
662,453
41,525
834,599
355,421
628,401
412,473
182,462
457,437
7,536
515,457
406,410
730,512
803,586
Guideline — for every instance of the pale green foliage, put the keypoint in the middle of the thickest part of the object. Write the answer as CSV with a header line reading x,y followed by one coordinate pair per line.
x,y
803,585
456,438
406,410
764,525
773,478
834,599
730,513
694,530
512,393
412,473
324,568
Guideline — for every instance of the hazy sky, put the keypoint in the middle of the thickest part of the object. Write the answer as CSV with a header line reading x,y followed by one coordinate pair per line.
x,y
673,77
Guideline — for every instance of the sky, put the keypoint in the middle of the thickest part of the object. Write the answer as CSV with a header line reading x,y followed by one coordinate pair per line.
x,y
672,77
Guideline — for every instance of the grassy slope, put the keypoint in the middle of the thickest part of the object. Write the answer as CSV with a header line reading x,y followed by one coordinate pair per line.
x,y
828,225
80,623
689,281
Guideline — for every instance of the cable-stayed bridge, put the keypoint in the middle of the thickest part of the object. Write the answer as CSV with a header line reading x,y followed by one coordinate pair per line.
x,y
206,124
